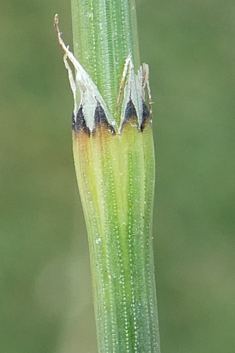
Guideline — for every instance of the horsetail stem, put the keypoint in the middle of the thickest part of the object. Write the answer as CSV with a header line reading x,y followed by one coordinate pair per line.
x,y
114,162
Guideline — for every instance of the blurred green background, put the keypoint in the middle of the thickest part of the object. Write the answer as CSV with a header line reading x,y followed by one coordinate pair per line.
x,y
45,291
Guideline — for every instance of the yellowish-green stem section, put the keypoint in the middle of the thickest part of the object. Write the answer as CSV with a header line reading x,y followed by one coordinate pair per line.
x,y
116,181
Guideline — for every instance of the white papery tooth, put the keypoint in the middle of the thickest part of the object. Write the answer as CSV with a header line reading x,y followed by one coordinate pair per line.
x,y
90,95
134,89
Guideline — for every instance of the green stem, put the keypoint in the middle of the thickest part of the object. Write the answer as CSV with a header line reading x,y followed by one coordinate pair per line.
x,y
115,172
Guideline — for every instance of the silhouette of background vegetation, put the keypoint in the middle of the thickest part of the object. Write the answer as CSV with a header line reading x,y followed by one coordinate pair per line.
x,y
45,291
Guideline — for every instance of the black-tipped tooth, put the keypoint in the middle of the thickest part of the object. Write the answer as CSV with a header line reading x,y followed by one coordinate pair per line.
x,y
79,123
145,116
101,119
130,112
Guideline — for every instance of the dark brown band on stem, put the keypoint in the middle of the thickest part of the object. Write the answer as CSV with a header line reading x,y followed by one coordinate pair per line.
x,y
100,118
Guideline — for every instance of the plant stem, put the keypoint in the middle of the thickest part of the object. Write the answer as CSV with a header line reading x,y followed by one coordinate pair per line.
x,y
114,161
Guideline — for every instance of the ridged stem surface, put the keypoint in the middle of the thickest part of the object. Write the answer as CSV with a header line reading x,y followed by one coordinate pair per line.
x,y
116,180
